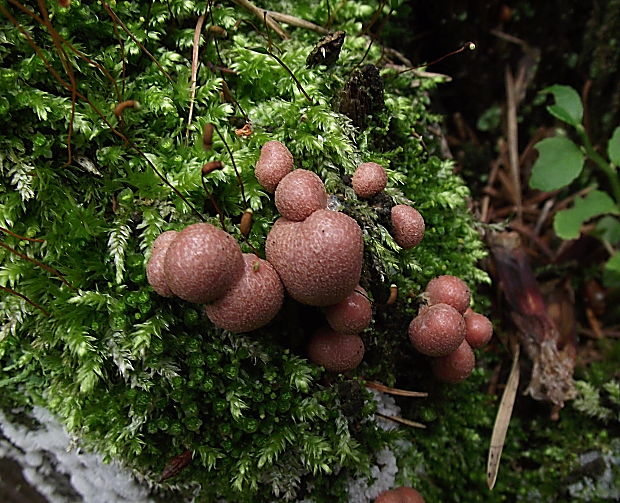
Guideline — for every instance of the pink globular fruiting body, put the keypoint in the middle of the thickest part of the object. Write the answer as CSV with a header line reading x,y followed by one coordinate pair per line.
x,y
155,272
352,314
202,263
274,163
456,366
448,290
400,495
479,329
369,179
437,331
336,352
320,259
252,302
407,226
299,194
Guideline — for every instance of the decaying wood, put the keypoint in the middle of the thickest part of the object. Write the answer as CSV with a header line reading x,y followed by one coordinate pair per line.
x,y
176,465
553,359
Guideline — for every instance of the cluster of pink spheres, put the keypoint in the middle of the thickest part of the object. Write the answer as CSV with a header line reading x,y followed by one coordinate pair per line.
x,y
315,255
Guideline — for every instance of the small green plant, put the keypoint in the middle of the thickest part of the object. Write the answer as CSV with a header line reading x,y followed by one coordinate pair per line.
x,y
561,161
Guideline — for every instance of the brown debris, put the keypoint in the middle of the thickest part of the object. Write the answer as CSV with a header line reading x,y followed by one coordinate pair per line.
x,y
552,356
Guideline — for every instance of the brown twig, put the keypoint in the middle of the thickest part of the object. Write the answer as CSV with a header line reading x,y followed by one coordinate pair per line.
x,y
263,14
394,391
527,231
298,22
401,420
24,238
133,37
49,269
594,323
61,54
467,45
234,164
79,53
22,296
375,17
84,98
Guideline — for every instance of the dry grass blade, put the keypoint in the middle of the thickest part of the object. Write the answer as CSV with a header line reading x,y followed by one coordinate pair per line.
x,y
513,138
401,420
394,391
502,420
195,50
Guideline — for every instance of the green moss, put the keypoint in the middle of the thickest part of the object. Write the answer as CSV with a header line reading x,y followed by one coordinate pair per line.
x,y
142,378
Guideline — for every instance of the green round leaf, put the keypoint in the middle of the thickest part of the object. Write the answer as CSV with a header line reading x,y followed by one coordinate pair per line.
x,y
559,162
567,223
567,107
608,228
613,147
611,273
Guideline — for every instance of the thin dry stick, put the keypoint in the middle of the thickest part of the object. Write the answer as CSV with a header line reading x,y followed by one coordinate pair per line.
x,y
24,238
467,45
63,59
502,420
290,72
401,420
297,21
234,164
122,47
101,68
512,133
195,50
133,37
115,131
374,19
217,50
394,391
544,213
49,269
259,13
22,296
